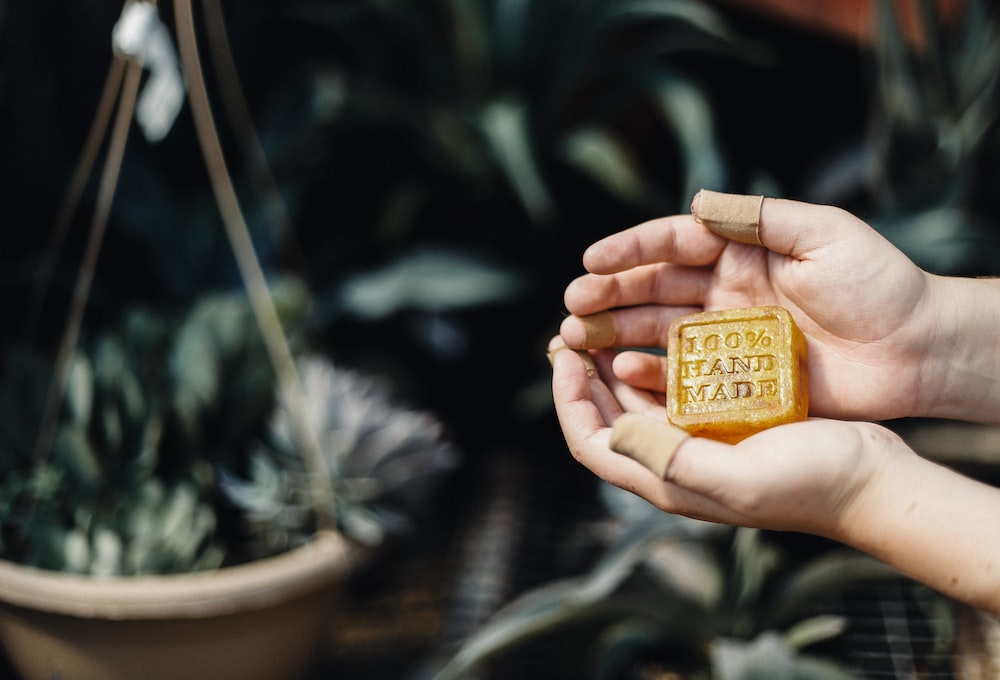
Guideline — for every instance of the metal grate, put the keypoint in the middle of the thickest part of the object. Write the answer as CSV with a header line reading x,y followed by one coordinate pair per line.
x,y
893,635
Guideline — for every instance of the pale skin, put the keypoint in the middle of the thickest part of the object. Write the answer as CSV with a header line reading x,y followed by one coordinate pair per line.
x,y
885,340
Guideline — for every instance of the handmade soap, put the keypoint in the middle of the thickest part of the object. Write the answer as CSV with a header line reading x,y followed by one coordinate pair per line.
x,y
736,372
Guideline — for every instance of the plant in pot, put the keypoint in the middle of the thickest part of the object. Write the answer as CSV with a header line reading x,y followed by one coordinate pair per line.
x,y
182,492
174,456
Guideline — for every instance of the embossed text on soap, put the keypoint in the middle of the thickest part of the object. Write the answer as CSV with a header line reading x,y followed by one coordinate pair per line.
x,y
728,366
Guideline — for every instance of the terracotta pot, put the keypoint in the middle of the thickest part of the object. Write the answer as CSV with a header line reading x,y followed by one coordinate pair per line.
x,y
259,621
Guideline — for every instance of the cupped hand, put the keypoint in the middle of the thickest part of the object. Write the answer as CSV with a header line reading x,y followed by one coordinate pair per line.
x,y
803,476
863,305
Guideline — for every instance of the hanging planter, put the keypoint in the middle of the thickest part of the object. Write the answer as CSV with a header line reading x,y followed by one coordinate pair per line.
x,y
258,621
186,494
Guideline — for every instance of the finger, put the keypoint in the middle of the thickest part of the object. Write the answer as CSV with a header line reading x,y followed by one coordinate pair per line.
x,y
557,345
626,396
678,239
767,480
656,445
784,226
584,417
662,284
642,370
733,216
579,394
645,326
798,229
687,469
646,440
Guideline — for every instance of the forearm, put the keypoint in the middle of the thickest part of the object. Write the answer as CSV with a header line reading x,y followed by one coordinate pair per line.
x,y
962,376
931,524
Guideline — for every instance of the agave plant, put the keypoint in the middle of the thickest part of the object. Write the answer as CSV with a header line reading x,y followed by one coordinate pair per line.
x,y
384,462
931,156
487,107
673,597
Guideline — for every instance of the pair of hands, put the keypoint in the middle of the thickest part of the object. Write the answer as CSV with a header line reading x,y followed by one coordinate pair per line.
x,y
867,311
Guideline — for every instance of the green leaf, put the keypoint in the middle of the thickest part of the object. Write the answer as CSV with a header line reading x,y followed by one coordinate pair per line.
x,y
560,601
505,124
195,369
822,577
769,657
106,558
73,452
690,117
607,160
754,561
816,629
429,279
80,389
76,552
133,400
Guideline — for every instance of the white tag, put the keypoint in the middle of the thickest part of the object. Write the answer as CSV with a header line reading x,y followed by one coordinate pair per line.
x,y
139,34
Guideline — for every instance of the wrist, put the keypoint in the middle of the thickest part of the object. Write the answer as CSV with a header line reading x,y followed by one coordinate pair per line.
x,y
928,522
872,467
958,351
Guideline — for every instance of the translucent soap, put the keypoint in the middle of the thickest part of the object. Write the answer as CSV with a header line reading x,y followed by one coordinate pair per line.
x,y
736,372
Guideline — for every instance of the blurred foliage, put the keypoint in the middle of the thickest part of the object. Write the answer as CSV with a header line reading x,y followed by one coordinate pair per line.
x,y
928,162
468,108
451,160
423,148
153,410
162,421
444,163
386,461
682,598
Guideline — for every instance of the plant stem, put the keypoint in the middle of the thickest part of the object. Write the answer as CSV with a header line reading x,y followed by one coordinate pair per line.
x,y
250,270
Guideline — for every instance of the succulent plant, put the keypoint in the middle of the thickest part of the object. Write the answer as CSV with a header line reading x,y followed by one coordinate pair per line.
x,y
161,417
383,459
111,497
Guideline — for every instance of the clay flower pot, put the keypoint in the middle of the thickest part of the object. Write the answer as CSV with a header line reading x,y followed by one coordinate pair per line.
x,y
258,621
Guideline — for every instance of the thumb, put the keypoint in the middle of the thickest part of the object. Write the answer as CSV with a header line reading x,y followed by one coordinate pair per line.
x,y
784,226
646,440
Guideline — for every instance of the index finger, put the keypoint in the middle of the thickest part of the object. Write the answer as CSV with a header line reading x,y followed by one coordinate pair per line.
x,y
786,226
678,239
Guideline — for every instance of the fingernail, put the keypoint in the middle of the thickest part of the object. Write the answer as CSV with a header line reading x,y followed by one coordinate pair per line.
x,y
695,203
588,360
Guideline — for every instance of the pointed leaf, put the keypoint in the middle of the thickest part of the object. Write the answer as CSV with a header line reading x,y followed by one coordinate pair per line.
x,y
80,390
429,279
600,155
823,577
505,124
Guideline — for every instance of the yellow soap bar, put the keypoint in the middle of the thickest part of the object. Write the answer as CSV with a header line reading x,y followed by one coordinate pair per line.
x,y
736,372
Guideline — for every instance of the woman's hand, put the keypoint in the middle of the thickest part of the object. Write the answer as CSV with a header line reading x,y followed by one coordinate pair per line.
x,y
801,476
868,312
854,482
